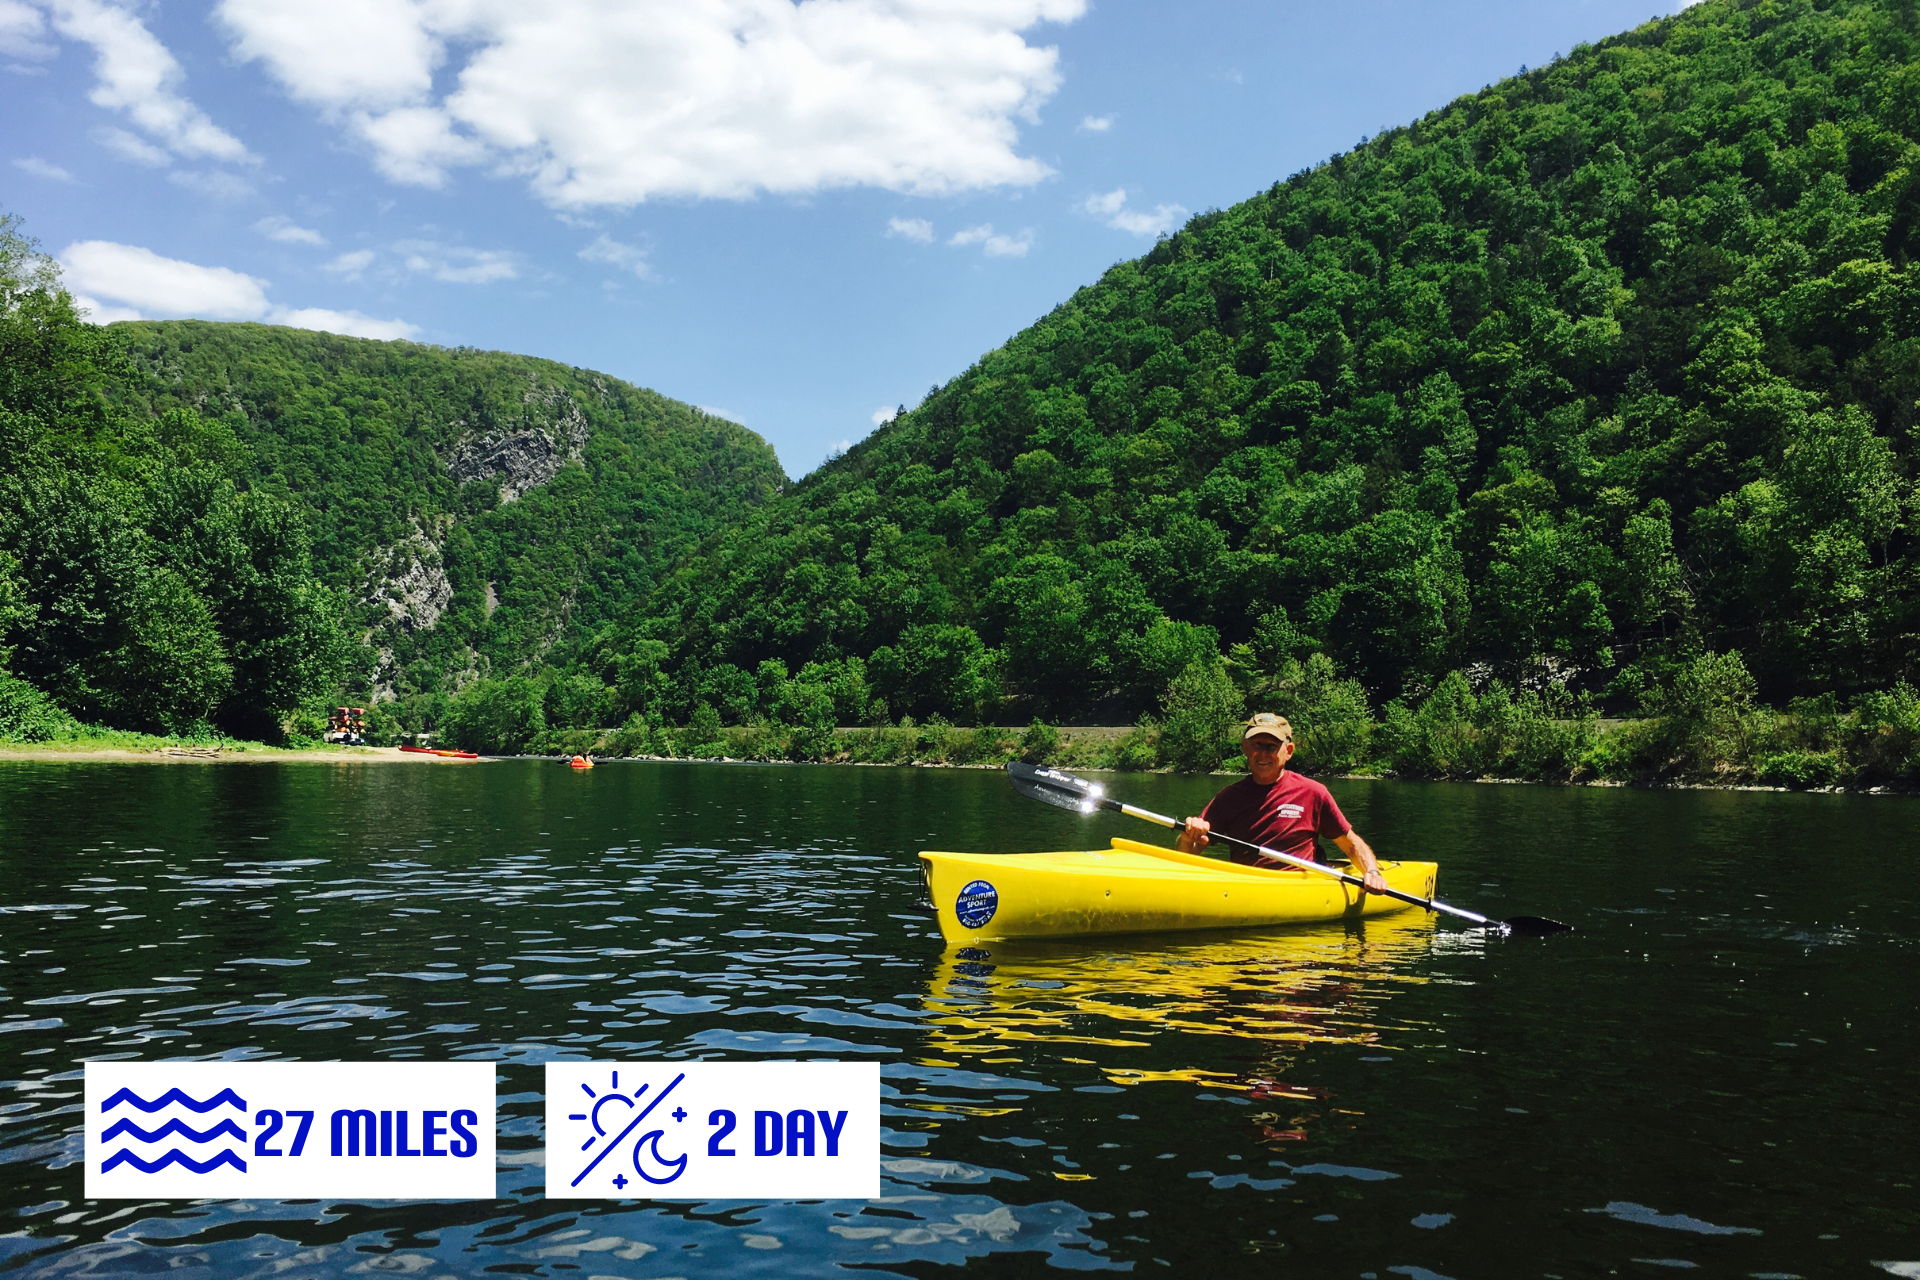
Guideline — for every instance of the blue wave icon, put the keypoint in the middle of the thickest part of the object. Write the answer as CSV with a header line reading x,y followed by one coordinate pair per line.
x,y
125,1129
180,1158
171,1096
121,1128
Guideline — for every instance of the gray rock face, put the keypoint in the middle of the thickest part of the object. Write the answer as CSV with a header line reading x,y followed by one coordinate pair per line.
x,y
527,454
410,581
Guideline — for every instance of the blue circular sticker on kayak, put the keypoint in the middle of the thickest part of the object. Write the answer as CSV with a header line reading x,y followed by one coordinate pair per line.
x,y
976,904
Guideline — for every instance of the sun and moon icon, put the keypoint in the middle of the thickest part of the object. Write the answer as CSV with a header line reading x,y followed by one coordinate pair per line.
x,y
612,1121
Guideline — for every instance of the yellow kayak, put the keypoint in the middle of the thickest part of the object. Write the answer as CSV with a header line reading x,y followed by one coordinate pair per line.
x,y
1139,888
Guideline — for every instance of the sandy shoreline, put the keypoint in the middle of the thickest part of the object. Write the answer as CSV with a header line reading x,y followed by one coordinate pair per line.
x,y
62,753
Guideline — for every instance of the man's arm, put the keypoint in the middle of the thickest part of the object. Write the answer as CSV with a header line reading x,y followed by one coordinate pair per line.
x,y
1193,836
1362,855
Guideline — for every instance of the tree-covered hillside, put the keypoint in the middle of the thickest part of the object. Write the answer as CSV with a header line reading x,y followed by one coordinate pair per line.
x,y
230,524
143,582
1608,366
485,512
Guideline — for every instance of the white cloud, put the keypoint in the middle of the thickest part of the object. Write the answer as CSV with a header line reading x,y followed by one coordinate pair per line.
x,y
416,144
131,146
1096,124
286,231
142,279
1113,207
604,104
455,264
215,184
372,54
352,264
102,313
1165,217
134,73
992,244
728,414
23,32
911,229
142,283
626,256
350,323
885,413
44,169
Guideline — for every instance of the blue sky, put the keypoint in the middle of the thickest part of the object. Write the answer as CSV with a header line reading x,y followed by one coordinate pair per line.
x,y
793,215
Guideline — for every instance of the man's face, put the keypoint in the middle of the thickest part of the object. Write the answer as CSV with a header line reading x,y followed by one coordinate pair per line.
x,y
1266,756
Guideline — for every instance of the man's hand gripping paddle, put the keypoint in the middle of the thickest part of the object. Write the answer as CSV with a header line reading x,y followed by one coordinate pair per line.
x,y
1064,791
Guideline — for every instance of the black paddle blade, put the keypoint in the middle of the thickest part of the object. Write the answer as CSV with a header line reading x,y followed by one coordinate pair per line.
x,y
1533,926
1050,786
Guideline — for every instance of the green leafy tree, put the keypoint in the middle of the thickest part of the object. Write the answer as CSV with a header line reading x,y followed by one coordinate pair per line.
x,y
16,608
163,594
935,669
1204,708
1332,722
1039,743
497,716
28,715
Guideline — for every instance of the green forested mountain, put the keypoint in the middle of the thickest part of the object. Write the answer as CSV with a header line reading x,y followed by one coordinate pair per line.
x,y
1610,365
485,514
231,524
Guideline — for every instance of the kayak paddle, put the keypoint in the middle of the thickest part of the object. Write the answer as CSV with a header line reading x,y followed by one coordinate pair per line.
x,y
1064,791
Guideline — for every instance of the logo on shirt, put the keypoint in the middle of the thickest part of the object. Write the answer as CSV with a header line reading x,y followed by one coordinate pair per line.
x,y
1290,810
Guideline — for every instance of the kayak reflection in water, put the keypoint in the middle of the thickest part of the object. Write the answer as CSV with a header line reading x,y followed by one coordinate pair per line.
x,y
1143,1011
1281,810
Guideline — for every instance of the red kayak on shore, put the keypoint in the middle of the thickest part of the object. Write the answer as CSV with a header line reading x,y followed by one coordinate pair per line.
x,y
444,753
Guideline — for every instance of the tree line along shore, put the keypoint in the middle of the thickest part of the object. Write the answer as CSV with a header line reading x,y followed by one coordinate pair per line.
x,y
1712,733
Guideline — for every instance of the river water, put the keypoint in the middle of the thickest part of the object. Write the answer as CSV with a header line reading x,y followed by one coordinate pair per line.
x,y
1715,1075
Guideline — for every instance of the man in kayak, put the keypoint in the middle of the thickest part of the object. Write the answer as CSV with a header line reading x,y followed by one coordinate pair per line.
x,y
1278,809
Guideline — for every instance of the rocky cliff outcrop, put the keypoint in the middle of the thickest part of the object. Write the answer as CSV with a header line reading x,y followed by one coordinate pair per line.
x,y
525,454
409,580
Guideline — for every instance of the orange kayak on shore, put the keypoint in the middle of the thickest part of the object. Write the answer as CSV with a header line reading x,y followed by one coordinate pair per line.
x,y
443,753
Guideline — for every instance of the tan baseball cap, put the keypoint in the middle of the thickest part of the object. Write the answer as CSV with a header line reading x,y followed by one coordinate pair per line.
x,y
1270,724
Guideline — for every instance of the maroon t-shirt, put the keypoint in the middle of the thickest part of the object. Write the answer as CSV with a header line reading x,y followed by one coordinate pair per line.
x,y
1285,816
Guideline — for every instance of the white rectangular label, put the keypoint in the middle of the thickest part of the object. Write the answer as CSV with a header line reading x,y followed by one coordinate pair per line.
x,y
712,1130
370,1130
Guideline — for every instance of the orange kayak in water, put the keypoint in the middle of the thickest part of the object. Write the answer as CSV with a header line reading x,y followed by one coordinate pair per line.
x,y
580,762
